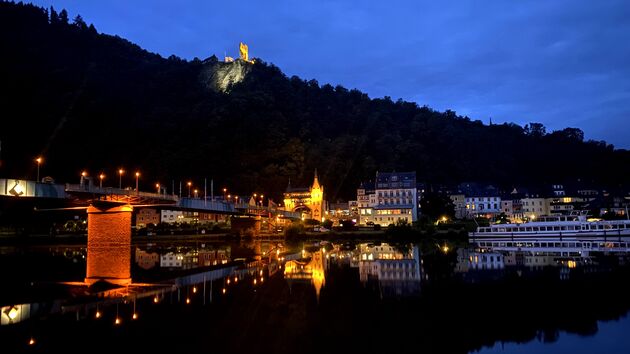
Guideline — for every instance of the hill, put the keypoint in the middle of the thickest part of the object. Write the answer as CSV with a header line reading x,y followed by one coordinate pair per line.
x,y
94,101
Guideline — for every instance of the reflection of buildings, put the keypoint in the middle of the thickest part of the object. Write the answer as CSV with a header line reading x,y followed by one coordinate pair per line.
x,y
397,272
213,257
313,271
475,260
146,260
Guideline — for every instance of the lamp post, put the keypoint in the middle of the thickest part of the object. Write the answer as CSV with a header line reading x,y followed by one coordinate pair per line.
x,y
120,173
196,191
224,192
137,176
261,199
83,175
157,186
101,177
189,185
39,162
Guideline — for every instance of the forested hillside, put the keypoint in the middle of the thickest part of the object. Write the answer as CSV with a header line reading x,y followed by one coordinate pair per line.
x,y
93,101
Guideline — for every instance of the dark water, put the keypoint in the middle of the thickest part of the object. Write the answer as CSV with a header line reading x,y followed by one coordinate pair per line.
x,y
272,297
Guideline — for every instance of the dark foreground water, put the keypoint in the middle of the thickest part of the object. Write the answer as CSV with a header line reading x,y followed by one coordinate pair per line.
x,y
312,298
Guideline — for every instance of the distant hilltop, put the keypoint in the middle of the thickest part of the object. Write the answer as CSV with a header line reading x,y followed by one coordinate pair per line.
x,y
221,76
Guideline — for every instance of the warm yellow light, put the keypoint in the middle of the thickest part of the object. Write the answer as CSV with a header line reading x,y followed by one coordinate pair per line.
x,y
83,173
13,313
262,280
188,300
255,281
117,321
228,281
445,248
224,290
261,273
195,191
189,184
224,190
101,176
155,299
134,316
444,218
98,314
39,160
194,289
137,174
31,341
262,196
533,216
255,195
120,172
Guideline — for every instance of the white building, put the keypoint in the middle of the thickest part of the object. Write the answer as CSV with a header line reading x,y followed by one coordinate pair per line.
x,y
171,216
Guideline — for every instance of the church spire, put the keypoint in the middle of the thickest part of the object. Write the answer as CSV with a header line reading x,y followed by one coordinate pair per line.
x,y
316,181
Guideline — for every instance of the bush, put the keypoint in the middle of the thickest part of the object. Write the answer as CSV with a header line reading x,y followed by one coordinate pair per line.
x,y
293,230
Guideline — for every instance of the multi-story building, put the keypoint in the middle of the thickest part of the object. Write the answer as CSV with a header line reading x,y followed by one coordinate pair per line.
x,y
171,216
459,202
480,201
366,200
396,198
146,216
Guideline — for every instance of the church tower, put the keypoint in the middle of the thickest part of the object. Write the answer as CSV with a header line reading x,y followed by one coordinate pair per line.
x,y
317,199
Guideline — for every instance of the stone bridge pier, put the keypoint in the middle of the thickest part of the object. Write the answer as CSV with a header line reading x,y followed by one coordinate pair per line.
x,y
109,244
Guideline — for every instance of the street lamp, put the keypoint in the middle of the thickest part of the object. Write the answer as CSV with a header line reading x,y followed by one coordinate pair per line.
x,y
137,176
196,193
224,192
39,162
261,199
189,185
83,175
120,173
101,177
157,186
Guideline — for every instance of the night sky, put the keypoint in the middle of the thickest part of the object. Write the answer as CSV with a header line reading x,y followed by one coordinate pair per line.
x,y
561,62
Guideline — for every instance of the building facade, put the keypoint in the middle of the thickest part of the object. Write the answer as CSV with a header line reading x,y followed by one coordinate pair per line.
x,y
308,201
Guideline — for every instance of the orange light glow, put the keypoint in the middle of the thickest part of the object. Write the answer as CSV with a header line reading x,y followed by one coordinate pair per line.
x,y
39,160
194,289
224,290
135,316
188,300
31,341
98,314
155,300
117,321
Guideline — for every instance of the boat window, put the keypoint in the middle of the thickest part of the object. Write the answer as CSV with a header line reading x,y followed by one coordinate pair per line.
x,y
509,244
535,228
557,244
600,227
521,229
528,229
563,228
556,228
593,227
536,244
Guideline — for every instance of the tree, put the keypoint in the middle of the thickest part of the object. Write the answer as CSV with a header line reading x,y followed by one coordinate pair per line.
x,y
54,17
78,21
536,130
63,16
569,134
437,205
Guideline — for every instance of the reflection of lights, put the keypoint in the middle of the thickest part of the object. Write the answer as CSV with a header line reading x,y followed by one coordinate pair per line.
x,y
262,280
255,281
194,289
228,281
31,341
261,272
571,264
236,279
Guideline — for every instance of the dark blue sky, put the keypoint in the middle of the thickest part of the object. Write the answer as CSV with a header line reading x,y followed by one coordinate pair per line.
x,y
561,62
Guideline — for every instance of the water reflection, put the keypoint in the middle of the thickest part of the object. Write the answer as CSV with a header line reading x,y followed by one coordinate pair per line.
x,y
273,296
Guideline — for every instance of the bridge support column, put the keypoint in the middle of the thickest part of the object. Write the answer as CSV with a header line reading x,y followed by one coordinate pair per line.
x,y
109,244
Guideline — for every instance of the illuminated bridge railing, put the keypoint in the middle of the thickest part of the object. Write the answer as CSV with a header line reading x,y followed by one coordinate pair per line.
x,y
110,191
210,205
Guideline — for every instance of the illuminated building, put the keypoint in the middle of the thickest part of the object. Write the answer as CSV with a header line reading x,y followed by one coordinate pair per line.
x,y
308,201
392,199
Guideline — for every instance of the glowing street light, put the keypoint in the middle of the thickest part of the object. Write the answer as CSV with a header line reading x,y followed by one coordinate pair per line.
x,y
101,177
120,173
189,185
39,162
137,176
196,191
157,186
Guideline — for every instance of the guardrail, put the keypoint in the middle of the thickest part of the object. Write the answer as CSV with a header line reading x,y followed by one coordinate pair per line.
x,y
87,188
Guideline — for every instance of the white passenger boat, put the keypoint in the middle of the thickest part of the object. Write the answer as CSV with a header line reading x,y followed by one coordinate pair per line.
x,y
573,234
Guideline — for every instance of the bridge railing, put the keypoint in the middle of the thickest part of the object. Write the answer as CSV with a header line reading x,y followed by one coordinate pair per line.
x,y
211,205
87,188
